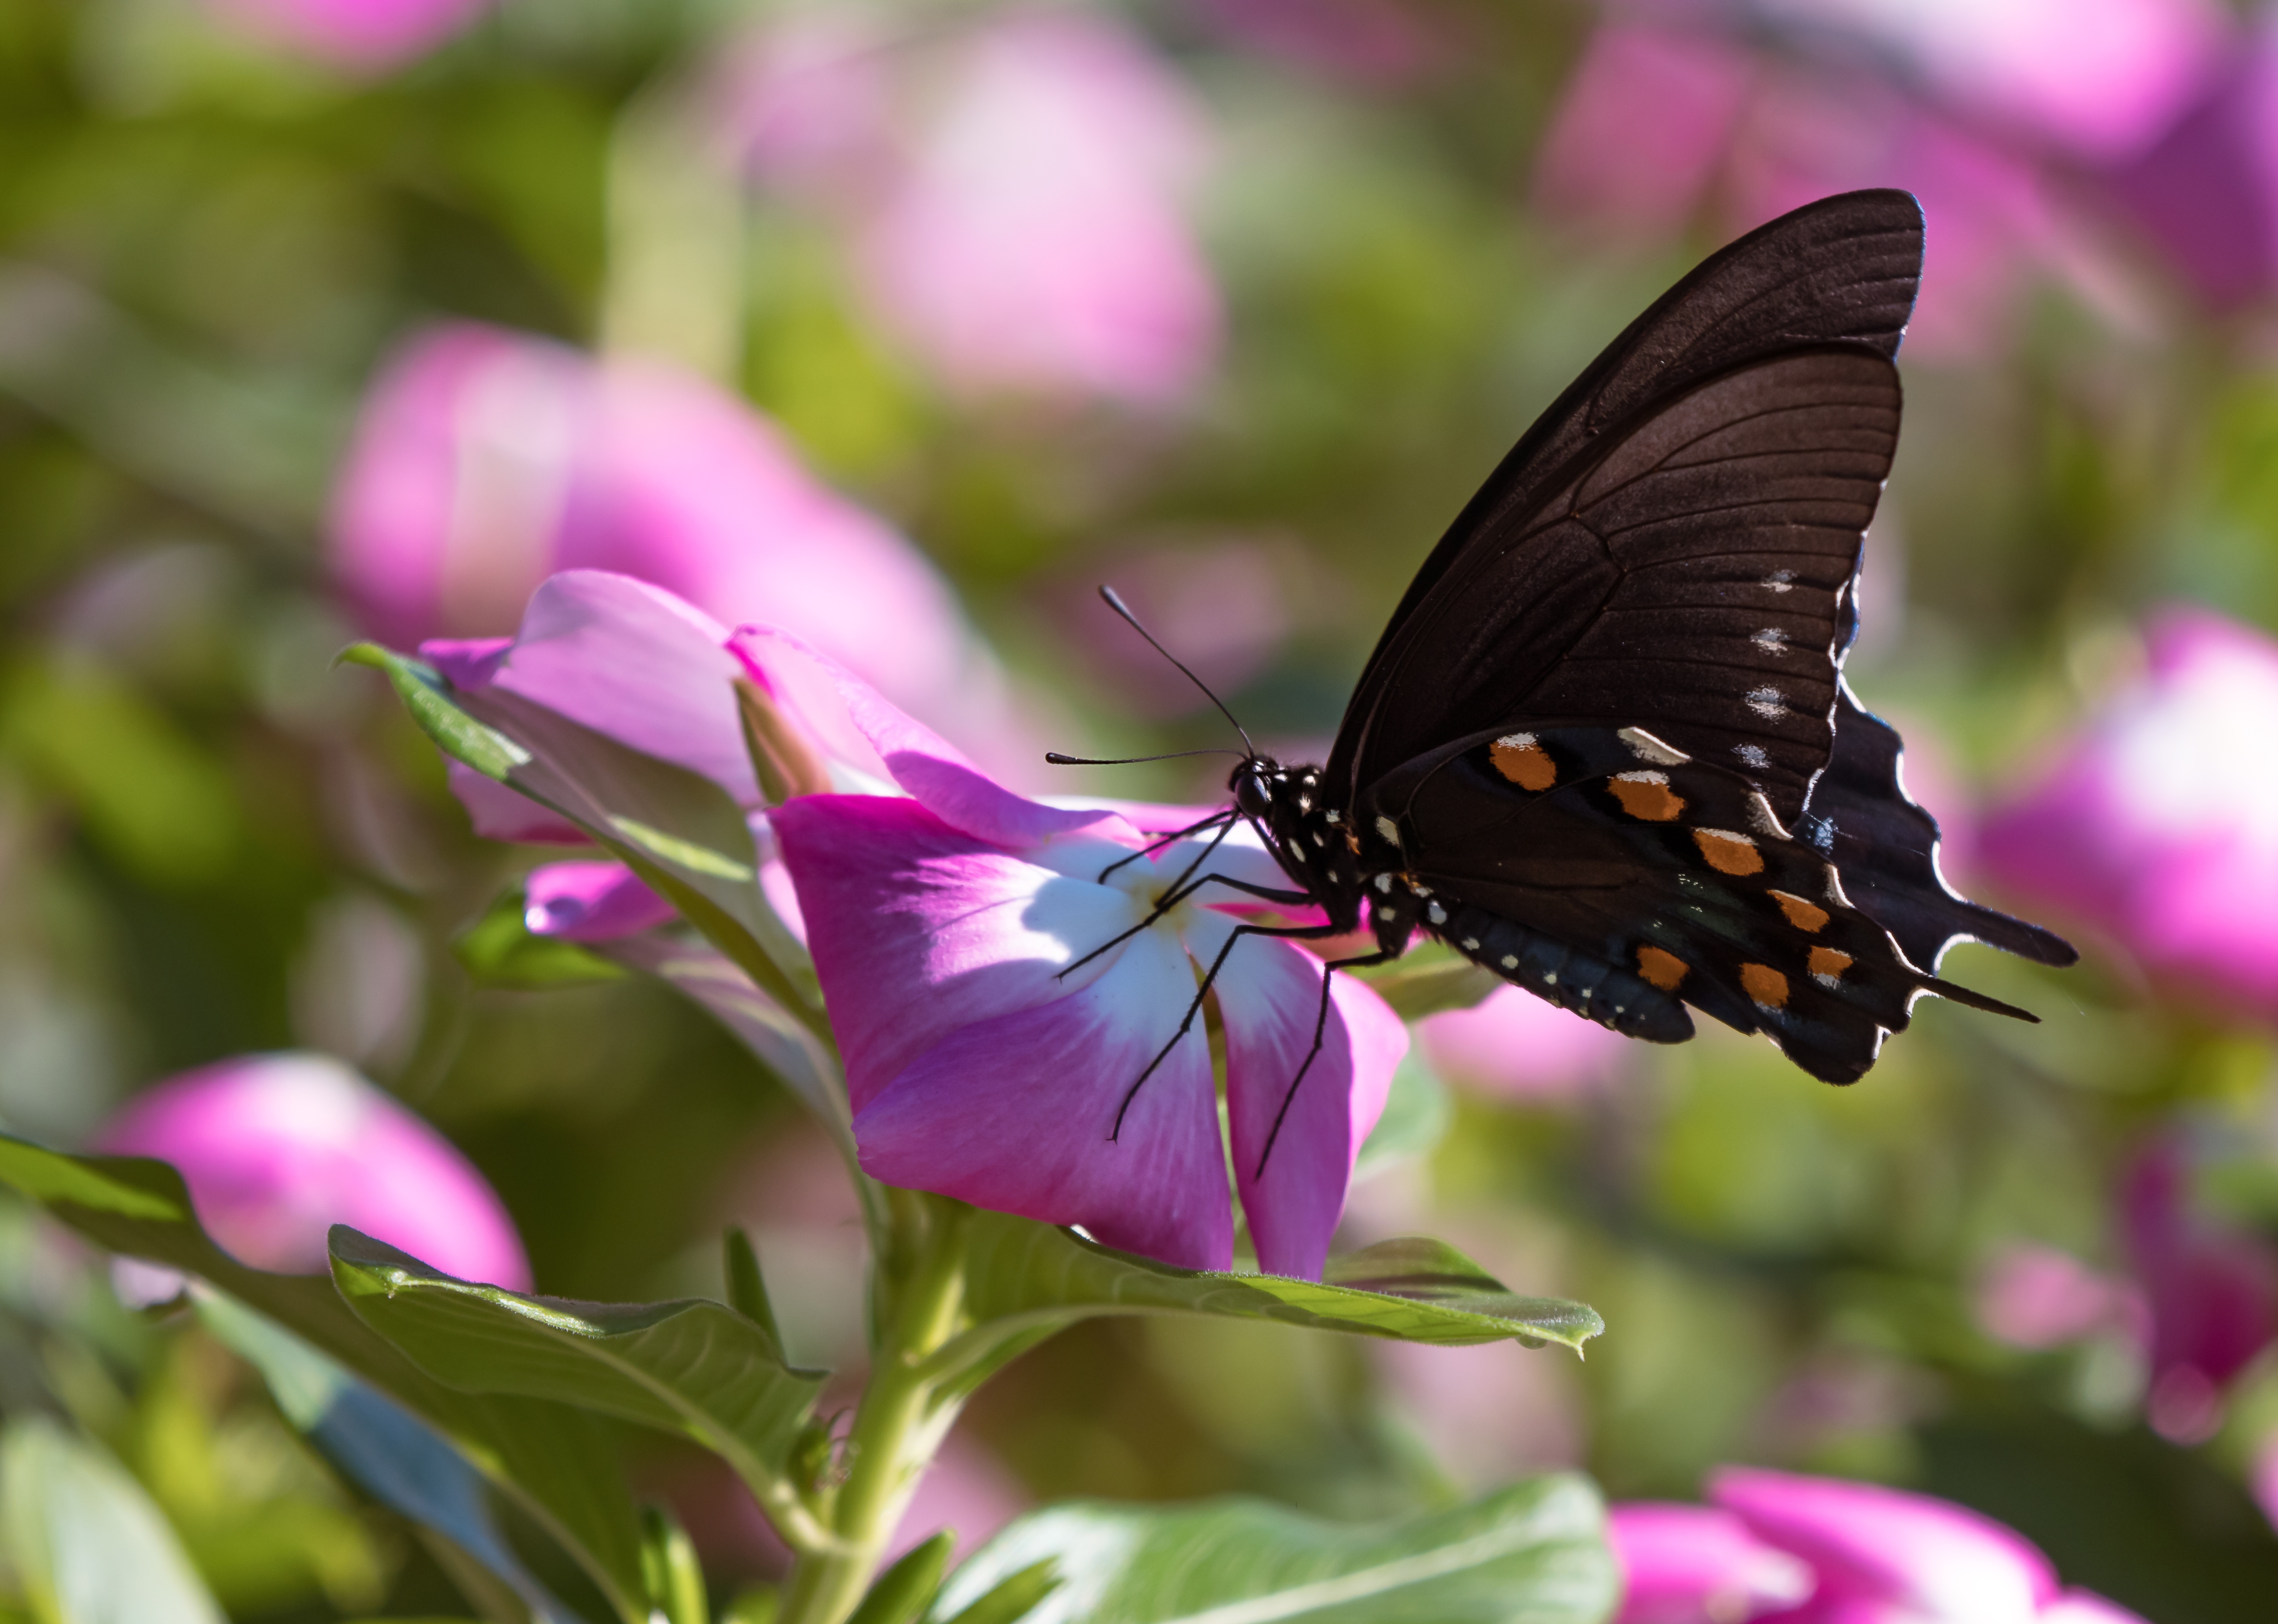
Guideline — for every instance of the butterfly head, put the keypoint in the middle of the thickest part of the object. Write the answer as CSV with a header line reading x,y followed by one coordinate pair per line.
x,y
1257,783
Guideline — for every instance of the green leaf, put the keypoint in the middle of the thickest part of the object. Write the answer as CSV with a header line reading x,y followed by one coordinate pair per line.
x,y
902,1591
1535,1552
1429,978
498,951
396,1458
427,697
692,1367
679,831
557,1462
1014,1597
1023,1277
86,1542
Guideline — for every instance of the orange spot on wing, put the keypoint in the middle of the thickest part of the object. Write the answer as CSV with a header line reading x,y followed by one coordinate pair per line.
x,y
1523,760
1801,914
1729,853
1767,986
1663,969
1647,796
1828,966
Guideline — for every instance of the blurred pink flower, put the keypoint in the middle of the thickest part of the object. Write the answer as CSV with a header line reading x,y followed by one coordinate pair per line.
x,y
590,901
2207,192
1644,123
1658,123
486,461
1696,1564
2037,1297
276,1148
2099,78
2212,1294
1015,194
2159,823
2262,1476
366,35
1867,1555
1515,1046
1379,42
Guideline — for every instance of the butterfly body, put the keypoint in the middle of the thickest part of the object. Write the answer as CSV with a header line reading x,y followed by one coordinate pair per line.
x,y
1605,749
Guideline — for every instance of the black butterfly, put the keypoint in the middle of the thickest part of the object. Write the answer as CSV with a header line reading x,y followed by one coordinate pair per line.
x,y
1605,749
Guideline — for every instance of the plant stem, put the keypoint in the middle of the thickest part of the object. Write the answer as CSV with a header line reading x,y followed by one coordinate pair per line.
x,y
901,1419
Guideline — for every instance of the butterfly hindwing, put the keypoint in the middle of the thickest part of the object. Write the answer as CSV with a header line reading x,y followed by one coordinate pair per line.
x,y
1886,844
1608,872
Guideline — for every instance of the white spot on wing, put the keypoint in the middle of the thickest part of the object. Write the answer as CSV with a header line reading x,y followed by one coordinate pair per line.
x,y
1389,829
1766,702
1438,915
1771,639
1510,961
1384,884
1780,580
1516,741
1645,747
1752,755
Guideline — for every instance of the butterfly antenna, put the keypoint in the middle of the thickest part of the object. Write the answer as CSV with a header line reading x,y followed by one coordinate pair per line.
x,y
1058,760
1108,596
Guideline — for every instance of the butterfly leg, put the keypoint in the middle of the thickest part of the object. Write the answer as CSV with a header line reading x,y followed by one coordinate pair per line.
x,y
1157,845
1180,891
1186,1022
1320,1030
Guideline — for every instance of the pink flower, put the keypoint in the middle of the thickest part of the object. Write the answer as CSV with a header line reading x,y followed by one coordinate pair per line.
x,y
1015,194
1657,122
486,461
2212,1294
276,1148
2159,823
1696,1564
1380,42
1515,1045
992,1047
2100,78
366,35
2207,192
2037,1297
1856,1553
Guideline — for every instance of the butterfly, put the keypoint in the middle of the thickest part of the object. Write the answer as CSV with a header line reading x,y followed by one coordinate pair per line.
x,y
1605,749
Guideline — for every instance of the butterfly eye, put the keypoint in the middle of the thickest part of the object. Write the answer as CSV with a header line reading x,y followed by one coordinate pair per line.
x,y
1251,793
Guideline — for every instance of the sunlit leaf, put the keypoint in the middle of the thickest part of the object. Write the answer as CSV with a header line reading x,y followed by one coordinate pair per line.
x,y
1535,1552
692,1367
84,1539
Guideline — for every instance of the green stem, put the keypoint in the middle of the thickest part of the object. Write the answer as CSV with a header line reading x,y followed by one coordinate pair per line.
x,y
902,1418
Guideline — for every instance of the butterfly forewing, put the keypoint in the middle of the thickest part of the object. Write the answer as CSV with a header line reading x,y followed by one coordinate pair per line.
x,y
1687,579
1843,270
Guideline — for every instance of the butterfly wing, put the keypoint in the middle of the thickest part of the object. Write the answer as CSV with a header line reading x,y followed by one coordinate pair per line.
x,y
1608,873
1885,845
1689,579
1844,269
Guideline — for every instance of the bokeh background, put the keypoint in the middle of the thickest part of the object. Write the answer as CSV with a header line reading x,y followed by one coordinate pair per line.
x,y
904,324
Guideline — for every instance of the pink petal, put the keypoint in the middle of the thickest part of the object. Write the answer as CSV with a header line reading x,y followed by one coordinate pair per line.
x,y
443,517
1269,993
2038,1297
1033,237
276,1148
919,759
1692,1563
1641,128
632,661
1015,1114
500,813
368,35
919,929
1877,1545
591,902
